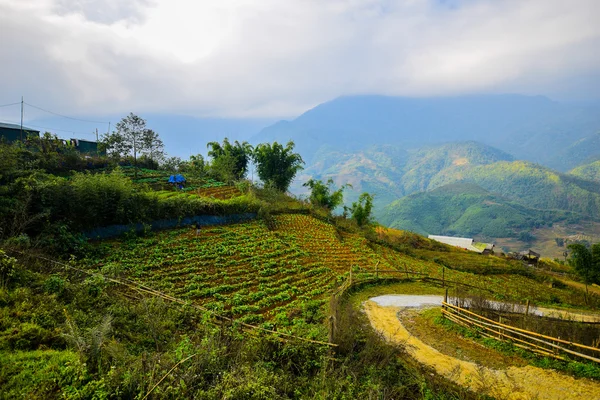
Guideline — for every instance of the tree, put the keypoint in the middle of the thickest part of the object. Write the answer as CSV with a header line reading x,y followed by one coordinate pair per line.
x,y
196,166
153,145
132,137
277,165
230,161
361,210
586,262
321,194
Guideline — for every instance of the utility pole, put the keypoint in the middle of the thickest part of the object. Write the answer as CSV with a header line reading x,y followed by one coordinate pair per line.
x,y
21,118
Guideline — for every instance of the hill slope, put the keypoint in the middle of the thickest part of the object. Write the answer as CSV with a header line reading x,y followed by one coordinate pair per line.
x,y
464,209
589,172
532,185
391,172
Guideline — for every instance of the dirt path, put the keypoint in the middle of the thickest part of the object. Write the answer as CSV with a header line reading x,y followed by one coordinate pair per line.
x,y
513,383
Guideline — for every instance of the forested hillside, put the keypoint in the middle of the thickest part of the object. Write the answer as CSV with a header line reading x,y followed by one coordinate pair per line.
x,y
589,171
465,209
534,186
391,172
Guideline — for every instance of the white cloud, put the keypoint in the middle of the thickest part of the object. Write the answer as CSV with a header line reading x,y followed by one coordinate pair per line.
x,y
277,58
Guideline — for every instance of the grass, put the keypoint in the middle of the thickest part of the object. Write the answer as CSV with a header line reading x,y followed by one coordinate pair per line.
x,y
575,368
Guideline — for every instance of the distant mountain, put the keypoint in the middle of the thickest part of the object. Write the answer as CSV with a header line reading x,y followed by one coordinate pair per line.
x,y
391,172
581,152
589,171
449,161
465,209
533,186
377,170
528,127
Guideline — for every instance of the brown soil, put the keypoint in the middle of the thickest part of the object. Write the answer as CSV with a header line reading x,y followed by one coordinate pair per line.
x,y
513,382
422,325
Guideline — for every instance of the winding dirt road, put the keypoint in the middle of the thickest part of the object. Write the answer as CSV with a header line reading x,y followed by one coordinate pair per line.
x,y
513,383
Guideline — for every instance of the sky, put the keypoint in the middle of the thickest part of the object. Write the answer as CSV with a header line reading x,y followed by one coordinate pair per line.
x,y
278,58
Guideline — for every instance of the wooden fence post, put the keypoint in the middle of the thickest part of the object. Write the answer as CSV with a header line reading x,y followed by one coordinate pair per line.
x,y
527,308
377,270
446,296
443,275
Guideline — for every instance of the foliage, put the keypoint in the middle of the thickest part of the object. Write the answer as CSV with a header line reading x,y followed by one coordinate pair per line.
x,y
229,161
361,210
466,209
7,269
132,137
82,353
277,165
586,262
321,193
588,171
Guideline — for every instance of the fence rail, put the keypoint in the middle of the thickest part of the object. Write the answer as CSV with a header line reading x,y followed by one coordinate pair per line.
x,y
533,341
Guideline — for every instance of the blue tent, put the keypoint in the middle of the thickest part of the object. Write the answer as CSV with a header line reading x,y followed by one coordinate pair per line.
x,y
176,178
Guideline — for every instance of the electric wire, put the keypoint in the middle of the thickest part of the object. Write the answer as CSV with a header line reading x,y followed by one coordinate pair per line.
x,y
47,127
64,116
11,104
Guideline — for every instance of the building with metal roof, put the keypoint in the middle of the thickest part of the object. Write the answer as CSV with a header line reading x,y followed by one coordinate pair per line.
x,y
464,243
12,132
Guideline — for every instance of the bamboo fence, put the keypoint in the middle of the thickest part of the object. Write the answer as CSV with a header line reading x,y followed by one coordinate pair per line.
x,y
536,342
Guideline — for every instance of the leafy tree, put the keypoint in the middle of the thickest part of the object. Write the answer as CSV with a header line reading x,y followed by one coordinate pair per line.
x,y
196,166
153,145
586,262
361,210
174,164
132,137
230,161
277,165
321,193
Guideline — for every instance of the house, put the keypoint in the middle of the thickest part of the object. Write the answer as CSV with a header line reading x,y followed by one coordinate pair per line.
x,y
529,256
12,132
86,146
464,243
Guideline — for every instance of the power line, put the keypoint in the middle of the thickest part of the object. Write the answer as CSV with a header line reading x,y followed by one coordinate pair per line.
x,y
53,129
11,104
64,116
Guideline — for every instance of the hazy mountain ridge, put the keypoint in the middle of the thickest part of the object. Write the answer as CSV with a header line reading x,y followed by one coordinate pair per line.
x,y
534,128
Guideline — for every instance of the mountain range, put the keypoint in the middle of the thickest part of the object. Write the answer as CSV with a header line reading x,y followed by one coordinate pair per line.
x,y
487,166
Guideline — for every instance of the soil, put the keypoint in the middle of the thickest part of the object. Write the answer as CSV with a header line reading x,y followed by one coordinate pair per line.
x,y
484,373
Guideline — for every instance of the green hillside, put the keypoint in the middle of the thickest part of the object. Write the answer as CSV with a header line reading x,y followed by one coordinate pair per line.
x,y
452,159
532,185
391,172
464,209
375,170
589,172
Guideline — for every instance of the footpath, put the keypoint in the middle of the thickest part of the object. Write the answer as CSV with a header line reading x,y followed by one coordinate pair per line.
x,y
514,383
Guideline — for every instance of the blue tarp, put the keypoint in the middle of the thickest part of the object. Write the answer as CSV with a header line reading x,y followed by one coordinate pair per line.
x,y
176,178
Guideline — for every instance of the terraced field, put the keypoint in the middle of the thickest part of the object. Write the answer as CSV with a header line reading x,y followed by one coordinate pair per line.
x,y
245,270
221,192
258,275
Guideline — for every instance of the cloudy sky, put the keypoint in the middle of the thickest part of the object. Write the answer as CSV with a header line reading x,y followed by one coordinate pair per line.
x,y
277,58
